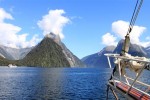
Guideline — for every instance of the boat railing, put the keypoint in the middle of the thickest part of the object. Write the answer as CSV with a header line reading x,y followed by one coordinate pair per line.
x,y
124,78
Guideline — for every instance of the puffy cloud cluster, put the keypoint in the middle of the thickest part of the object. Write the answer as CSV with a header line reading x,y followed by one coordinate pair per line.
x,y
9,33
120,28
4,15
109,39
54,22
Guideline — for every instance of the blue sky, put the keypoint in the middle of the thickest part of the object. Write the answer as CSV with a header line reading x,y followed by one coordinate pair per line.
x,y
85,26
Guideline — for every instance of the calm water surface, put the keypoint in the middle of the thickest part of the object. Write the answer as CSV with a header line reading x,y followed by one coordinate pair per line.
x,y
28,83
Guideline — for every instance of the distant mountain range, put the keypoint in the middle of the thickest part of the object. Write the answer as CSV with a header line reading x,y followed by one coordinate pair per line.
x,y
13,53
50,52
99,60
134,49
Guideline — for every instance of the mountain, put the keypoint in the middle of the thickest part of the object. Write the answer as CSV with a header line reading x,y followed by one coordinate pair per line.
x,y
98,59
101,61
3,61
23,52
6,62
73,60
4,52
50,52
148,51
46,54
134,49
13,53
147,48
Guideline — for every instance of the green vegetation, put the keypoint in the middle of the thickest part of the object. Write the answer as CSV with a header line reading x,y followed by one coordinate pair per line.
x,y
5,62
46,54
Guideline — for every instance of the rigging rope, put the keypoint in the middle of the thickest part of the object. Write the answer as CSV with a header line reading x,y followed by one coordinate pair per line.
x,y
126,44
134,16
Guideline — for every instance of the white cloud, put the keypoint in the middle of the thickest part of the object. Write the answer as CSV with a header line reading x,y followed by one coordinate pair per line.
x,y
9,33
145,44
121,27
109,39
24,43
4,15
54,22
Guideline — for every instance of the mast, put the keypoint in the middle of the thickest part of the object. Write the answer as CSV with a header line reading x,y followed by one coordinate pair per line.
x,y
126,45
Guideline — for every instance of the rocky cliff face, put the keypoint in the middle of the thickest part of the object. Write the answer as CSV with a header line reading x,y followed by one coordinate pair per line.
x,y
73,60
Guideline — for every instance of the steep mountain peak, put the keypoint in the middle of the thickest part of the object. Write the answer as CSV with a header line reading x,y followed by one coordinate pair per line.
x,y
46,54
54,37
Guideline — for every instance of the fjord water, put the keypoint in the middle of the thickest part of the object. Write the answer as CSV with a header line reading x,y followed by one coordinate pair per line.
x,y
30,83
25,83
